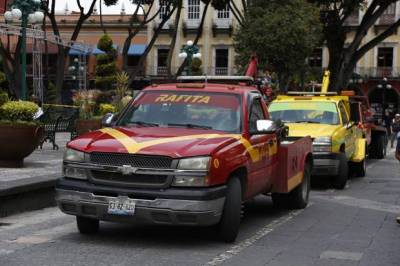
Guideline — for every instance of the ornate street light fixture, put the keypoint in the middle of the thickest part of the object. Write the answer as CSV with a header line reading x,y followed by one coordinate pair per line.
x,y
190,51
28,11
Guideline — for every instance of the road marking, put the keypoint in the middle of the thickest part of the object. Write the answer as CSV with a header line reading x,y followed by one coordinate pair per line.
x,y
341,255
362,203
30,218
268,228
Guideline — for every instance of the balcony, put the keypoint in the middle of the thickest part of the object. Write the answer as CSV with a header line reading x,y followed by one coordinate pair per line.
x,y
352,22
167,29
222,26
384,22
378,72
190,26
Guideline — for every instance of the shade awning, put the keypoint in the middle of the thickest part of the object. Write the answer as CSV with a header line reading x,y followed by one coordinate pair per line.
x,y
77,51
137,49
97,51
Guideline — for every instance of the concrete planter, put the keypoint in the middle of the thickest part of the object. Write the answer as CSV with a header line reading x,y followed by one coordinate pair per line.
x,y
84,126
18,142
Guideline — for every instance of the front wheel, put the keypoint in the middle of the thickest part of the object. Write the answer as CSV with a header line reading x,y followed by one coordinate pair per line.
x,y
340,180
86,225
360,168
228,226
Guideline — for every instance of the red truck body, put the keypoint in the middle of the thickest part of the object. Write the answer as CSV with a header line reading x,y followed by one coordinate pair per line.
x,y
261,162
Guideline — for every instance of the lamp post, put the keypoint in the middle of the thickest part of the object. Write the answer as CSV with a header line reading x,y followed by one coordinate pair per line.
x,y
190,51
28,11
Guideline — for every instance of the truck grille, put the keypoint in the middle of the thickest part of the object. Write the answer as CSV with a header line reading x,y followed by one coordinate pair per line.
x,y
134,180
141,161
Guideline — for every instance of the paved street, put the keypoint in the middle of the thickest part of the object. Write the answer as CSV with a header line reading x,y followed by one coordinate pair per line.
x,y
351,227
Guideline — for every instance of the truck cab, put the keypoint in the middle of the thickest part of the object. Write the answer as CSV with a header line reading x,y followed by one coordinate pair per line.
x,y
338,142
184,154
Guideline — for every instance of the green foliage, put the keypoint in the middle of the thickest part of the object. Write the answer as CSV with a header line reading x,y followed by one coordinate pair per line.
x,y
196,66
3,78
105,43
282,34
18,110
106,108
106,68
86,101
3,97
51,96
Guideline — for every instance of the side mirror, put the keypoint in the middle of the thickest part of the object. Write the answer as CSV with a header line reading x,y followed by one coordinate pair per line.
x,y
266,127
350,124
107,120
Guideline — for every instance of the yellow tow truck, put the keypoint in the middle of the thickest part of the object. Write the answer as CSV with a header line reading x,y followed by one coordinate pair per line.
x,y
339,147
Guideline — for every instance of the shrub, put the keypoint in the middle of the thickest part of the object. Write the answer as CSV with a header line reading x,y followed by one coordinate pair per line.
x,y
3,97
18,111
106,108
106,69
51,96
105,43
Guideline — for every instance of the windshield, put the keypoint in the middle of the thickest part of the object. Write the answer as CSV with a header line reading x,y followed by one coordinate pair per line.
x,y
305,112
217,111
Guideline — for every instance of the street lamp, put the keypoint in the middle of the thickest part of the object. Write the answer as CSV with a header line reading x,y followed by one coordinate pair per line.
x,y
28,11
190,51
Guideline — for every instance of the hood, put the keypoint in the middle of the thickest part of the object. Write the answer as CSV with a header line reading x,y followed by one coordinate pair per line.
x,y
172,142
312,130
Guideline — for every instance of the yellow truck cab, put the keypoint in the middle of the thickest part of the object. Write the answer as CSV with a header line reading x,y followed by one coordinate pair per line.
x,y
338,144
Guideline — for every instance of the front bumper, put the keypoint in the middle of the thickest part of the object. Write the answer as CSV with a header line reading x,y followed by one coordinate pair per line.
x,y
325,164
174,206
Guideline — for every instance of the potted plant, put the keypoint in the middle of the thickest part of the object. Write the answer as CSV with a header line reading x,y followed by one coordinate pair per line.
x,y
20,134
86,101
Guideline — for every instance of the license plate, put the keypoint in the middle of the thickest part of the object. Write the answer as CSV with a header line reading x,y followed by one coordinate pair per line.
x,y
121,207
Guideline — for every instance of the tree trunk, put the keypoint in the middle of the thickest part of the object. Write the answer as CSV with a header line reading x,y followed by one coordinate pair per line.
x,y
61,59
173,40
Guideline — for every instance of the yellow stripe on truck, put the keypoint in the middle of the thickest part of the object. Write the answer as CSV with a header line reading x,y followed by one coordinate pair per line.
x,y
133,147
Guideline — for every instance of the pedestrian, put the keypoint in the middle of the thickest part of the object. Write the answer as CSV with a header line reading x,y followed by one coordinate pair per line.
x,y
387,120
398,158
395,129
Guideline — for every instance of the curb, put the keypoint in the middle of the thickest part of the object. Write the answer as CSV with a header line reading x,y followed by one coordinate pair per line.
x,y
27,197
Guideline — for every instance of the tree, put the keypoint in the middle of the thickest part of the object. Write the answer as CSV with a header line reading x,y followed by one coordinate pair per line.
x,y
63,51
343,56
106,68
281,33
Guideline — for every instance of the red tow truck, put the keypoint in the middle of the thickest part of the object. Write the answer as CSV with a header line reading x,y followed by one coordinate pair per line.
x,y
184,154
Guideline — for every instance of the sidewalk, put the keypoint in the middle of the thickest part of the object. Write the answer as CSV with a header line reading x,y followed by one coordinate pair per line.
x,y
31,187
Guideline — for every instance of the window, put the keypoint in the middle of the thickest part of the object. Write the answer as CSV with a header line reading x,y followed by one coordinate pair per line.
x,y
164,9
343,113
224,13
221,61
193,9
385,57
256,113
162,58
315,60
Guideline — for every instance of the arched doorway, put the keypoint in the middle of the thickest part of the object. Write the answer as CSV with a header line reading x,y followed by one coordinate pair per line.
x,y
382,98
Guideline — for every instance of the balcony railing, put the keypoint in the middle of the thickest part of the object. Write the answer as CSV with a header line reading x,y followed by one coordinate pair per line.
x,y
378,72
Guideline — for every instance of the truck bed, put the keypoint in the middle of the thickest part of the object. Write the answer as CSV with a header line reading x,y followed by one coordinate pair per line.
x,y
292,155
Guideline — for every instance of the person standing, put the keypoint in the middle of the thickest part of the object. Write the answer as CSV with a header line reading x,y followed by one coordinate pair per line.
x,y
395,129
397,154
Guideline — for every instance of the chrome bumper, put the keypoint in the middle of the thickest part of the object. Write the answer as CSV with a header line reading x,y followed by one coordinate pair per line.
x,y
157,211
325,164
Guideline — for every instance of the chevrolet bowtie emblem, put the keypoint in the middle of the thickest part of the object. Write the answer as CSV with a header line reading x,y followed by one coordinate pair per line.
x,y
127,169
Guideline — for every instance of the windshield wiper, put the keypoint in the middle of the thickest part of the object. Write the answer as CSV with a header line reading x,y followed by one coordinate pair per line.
x,y
306,121
145,124
189,126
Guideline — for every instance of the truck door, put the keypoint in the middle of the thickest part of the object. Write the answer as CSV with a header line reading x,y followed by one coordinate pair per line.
x,y
264,147
350,128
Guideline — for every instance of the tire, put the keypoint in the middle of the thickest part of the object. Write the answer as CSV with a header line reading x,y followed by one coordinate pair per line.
x,y
359,169
340,180
280,201
298,198
380,147
86,225
228,227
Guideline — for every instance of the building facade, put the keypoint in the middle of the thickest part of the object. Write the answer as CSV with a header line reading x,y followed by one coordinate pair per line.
x,y
216,42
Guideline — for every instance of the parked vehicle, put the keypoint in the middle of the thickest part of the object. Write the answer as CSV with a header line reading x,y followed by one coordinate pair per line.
x,y
338,144
184,154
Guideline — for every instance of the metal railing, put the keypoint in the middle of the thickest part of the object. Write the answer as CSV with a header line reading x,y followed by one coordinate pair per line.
x,y
378,72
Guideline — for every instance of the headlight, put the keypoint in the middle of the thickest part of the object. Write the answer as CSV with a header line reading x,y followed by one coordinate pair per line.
x,y
322,144
74,172
71,155
189,181
195,163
